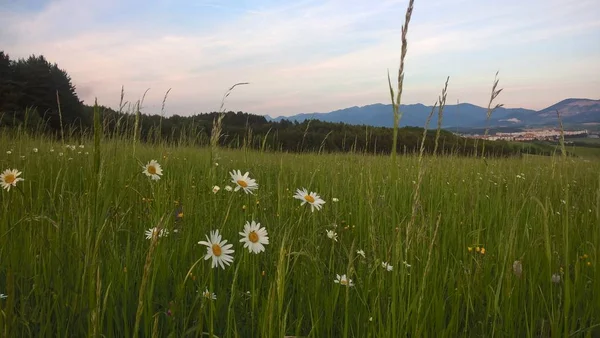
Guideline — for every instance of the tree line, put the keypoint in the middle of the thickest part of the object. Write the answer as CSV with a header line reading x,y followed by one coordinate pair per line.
x,y
38,95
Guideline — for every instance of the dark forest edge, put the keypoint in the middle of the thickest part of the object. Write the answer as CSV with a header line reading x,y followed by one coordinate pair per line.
x,y
31,90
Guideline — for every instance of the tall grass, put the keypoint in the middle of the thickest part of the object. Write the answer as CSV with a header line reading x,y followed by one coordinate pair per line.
x,y
73,264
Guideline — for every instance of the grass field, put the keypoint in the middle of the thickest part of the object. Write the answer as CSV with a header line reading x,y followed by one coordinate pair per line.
x,y
469,247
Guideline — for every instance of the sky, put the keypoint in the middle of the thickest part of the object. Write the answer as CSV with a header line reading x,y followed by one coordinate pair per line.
x,y
310,56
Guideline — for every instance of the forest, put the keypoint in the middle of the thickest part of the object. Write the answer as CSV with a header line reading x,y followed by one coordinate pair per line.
x,y
37,95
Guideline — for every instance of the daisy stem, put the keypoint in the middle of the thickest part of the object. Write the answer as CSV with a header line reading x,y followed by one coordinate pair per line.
x,y
331,256
346,308
211,305
253,295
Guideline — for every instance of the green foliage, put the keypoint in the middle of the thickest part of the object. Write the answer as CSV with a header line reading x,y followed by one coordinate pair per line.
x,y
34,83
255,132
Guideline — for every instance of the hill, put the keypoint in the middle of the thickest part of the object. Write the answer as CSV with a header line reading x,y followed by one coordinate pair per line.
x,y
464,115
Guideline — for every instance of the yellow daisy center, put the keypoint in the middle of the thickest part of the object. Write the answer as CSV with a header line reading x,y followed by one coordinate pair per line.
x,y
152,169
242,183
253,237
344,282
309,199
216,249
9,178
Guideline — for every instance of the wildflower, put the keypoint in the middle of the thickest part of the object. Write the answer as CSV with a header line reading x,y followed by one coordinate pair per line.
x,y
9,178
589,263
361,252
60,154
343,280
35,150
332,235
81,146
209,295
313,199
469,249
3,296
216,189
160,232
517,268
152,170
228,188
482,251
387,266
406,264
555,278
477,249
51,150
8,152
243,181
218,250
335,200
86,153
254,237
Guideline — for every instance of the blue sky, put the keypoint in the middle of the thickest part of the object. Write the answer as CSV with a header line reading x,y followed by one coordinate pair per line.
x,y
310,56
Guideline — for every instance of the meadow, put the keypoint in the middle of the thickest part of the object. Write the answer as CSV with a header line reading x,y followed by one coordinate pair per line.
x,y
414,246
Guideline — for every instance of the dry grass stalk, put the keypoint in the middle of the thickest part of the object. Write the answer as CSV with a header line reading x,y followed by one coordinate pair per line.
x,y
490,110
396,101
442,100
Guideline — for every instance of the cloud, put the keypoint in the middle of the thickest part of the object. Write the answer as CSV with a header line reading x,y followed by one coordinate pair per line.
x,y
308,55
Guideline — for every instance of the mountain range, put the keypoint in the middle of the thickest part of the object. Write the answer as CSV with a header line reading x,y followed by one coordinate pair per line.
x,y
464,115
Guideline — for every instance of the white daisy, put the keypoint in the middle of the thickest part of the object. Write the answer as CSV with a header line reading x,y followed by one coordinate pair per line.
x,y
35,150
81,146
335,199
152,170
254,237
361,252
313,199
387,266
218,250
216,189
9,178
161,232
209,295
228,188
343,280
243,181
332,234
8,152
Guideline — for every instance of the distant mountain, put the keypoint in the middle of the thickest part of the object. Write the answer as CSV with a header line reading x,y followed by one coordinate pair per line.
x,y
464,115
572,112
415,115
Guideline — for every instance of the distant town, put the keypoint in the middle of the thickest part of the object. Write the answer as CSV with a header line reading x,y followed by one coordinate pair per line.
x,y
533,134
